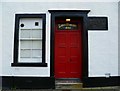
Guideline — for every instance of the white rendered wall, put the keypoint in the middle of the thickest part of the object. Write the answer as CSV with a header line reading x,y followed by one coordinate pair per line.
x,y
60,0
103,45
0,39
119,38
0,45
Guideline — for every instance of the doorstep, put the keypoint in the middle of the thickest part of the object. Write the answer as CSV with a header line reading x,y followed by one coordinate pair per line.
x,y
68,84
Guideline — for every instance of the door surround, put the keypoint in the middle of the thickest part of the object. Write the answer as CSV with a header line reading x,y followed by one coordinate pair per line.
x,y
71,13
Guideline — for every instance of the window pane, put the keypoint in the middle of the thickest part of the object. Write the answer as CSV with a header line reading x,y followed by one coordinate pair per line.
x,y
37,60
25,34
36,44
31,33
31,60
36,53
25,44
36,34
25,53
29,23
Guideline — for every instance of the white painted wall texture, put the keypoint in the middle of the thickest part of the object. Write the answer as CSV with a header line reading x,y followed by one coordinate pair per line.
x,y
0,45
119,38
60,0
103,45
0,39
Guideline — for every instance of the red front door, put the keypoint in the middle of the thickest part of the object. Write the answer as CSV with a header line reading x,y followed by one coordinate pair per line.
x,y
68,48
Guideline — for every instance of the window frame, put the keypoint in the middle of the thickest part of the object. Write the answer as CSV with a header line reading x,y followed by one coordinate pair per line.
x,y
16,41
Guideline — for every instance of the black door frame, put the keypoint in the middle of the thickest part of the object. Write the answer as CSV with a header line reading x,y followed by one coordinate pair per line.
x,y
71,13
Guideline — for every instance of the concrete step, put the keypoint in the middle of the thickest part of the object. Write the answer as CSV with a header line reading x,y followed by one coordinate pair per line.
x,y
68,84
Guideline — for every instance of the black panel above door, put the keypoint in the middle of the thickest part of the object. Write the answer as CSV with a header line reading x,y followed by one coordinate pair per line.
x,y
97,23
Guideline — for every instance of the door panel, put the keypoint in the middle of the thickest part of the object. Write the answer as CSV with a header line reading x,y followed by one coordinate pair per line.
x,y
68,52
61,54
